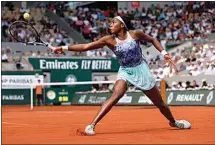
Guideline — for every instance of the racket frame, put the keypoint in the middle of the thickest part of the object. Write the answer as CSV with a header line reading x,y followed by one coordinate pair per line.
x,y
38,40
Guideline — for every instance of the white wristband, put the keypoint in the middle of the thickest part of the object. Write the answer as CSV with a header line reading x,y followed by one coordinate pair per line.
x,y
65,48
51,47
163,52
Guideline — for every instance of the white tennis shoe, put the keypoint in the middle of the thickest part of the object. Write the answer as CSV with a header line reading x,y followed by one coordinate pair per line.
x,y
181,124
89,130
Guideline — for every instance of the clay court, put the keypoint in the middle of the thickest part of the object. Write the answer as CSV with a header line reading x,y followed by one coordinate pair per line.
x,y
123,125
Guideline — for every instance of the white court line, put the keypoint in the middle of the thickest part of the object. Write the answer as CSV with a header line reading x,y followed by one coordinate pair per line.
x,y
73,112
57,112
20,124
78,124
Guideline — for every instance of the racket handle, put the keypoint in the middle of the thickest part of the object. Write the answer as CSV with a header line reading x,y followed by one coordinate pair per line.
x,y
53,49
50,47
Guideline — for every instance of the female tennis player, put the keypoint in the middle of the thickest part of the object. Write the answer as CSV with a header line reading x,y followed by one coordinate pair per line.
x,y
133,69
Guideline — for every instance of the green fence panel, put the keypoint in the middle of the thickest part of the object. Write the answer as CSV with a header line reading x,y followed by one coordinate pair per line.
x,y
72,76
15,96
95,65
130,98
192,97
68,95
58,95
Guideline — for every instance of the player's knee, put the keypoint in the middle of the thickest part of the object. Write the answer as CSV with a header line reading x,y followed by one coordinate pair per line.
x,y
118,92
116,96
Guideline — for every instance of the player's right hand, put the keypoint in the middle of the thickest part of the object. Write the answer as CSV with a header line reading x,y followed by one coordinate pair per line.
x,y
57,50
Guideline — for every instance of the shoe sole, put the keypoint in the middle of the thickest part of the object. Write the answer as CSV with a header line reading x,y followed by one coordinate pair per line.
x,y
83,133
179,127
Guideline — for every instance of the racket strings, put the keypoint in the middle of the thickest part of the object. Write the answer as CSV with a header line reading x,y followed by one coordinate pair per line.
x,y
23,33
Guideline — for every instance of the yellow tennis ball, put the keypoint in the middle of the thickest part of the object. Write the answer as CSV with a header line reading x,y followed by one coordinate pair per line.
x,y
26,15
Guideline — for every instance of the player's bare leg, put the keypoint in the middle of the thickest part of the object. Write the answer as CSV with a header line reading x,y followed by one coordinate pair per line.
x,y
156,98
120,88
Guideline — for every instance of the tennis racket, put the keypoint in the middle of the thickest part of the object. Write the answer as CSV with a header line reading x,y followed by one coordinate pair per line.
x,y
25,33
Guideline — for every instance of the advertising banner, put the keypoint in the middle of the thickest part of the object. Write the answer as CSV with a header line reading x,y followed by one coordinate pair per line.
x,y
22,96
193,97
67,95
95,65
130,98
20,81
58,95
15,96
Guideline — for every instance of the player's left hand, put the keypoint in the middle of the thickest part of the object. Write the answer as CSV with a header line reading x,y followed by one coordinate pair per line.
x,y
171,63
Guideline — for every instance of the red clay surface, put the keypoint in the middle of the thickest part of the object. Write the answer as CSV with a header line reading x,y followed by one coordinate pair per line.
x,y
123,125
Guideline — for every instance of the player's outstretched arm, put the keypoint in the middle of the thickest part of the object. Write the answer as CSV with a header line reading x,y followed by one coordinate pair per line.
x,y
144,37
83,47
